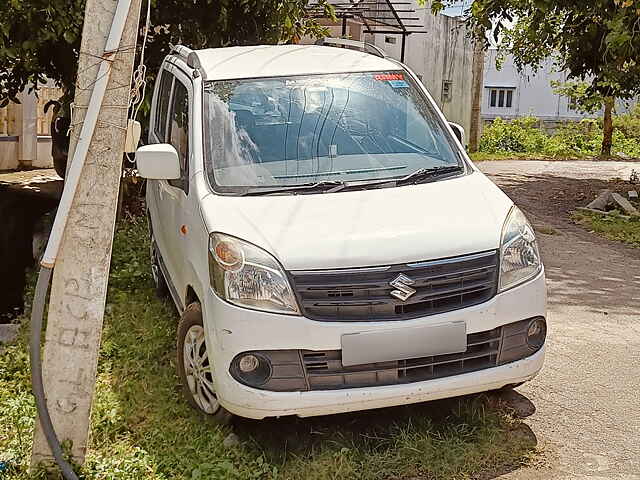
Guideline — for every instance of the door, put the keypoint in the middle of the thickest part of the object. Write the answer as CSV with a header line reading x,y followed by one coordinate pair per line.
x,y
176,193
157,190
171,125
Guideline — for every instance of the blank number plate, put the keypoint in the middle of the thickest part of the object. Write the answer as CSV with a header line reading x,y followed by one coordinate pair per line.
x,y
403,343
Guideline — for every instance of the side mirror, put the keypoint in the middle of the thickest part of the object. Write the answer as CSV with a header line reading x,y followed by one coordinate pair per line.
x,y
458,130
158,162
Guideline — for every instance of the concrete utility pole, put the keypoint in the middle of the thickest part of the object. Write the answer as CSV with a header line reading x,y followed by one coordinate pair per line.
x,y
79,290
476,95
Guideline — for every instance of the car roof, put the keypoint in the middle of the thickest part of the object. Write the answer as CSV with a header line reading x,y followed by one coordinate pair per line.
x,y
261,61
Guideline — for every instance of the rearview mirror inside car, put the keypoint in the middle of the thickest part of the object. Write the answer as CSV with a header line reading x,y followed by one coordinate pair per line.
x,y
158,162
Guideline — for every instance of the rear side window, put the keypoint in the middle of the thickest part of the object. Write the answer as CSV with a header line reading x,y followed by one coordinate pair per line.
x,y
162,106
179,131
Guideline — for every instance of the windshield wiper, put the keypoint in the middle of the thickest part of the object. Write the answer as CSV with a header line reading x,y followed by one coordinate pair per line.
x,y
427,174
324,187
333,186
412,179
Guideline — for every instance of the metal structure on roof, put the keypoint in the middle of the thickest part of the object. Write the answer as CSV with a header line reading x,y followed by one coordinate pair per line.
x,y
387,17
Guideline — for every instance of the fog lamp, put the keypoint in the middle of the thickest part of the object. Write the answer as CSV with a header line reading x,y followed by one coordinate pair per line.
x,y
537,333
248,363
251,369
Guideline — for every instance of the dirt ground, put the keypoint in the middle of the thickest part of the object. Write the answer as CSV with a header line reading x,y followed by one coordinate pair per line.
x,y
584,407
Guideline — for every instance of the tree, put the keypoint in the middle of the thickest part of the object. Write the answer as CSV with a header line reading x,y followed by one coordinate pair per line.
x,y
595,42
40,39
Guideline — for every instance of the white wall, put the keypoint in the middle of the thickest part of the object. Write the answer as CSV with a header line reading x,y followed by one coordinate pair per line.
x,y
9,153
44,158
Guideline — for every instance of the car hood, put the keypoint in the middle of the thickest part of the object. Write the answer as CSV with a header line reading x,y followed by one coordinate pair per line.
x,y
367,228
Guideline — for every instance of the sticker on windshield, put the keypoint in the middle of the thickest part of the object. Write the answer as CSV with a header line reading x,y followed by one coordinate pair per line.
x,y
386,77
398,84
396,80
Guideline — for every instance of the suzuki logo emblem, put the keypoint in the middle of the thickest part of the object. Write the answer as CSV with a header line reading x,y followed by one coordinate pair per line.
x,y
403,291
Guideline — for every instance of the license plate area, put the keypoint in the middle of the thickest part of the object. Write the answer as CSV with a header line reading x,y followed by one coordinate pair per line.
x,y
403,343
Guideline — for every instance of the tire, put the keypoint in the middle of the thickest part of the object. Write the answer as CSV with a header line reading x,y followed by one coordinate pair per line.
x,y
198,386
160,283
60,144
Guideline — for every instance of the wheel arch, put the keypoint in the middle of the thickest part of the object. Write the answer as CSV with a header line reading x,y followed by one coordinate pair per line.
x,y
191,296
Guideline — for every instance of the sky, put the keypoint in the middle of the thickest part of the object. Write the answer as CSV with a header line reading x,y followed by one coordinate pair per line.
x,y
459,8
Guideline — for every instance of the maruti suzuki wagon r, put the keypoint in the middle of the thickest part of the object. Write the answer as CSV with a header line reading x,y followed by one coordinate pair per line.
x,y
326,239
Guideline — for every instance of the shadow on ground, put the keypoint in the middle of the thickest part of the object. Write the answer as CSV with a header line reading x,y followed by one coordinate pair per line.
x,y
20,209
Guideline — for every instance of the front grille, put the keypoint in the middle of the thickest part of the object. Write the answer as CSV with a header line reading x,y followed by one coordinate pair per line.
x,y
364,294
324,370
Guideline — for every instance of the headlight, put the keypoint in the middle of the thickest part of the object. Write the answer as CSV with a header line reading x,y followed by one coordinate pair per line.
x,y
249,277
520,257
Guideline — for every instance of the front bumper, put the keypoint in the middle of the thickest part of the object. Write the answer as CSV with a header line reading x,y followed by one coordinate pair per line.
x,y
258,404
231,330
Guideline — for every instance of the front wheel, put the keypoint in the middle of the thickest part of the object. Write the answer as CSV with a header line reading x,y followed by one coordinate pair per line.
x,y
195,368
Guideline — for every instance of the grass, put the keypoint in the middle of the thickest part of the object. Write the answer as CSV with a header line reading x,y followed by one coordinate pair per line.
x,y
143,429
612,226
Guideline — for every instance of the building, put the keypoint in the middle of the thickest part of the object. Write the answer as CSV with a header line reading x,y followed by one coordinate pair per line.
x,y
510,94
25,139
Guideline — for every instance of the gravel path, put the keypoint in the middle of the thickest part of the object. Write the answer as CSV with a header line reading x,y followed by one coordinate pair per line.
x,y
586,400
569,169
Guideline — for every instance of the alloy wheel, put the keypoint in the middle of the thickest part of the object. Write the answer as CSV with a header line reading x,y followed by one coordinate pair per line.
x,y
198,370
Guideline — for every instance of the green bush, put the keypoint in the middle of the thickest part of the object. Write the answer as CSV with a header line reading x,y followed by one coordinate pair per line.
x,y
629,123
518,136
572,139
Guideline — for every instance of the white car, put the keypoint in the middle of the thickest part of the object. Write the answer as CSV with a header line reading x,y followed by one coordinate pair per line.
x,y
346,254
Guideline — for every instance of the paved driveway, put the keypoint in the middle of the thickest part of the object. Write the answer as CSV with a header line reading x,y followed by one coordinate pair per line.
x,y
587,400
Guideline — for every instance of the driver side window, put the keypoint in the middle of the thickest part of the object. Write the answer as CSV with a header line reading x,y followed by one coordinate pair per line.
x,y
178,134
162,108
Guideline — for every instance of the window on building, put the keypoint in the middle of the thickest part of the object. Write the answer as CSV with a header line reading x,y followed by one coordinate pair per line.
x,y
389,39
446,90
501,97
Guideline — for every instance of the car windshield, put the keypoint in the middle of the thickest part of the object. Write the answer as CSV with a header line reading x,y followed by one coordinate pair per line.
x,y
291,131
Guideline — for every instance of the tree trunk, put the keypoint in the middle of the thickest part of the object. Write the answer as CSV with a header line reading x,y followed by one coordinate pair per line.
x,y
607,141
476,96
